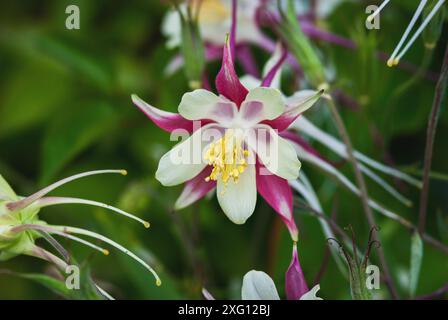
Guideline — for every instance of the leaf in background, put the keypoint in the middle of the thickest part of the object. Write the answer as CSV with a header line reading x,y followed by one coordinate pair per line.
x,y
55,285
27,98
67,136
58,54
416,262
87,290
89,67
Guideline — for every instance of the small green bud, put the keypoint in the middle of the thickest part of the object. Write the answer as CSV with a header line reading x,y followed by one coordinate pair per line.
x,y
15,243
192,47
358,267
300,46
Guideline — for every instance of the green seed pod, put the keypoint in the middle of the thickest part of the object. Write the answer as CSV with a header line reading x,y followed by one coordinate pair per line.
x,y
192,47
300,46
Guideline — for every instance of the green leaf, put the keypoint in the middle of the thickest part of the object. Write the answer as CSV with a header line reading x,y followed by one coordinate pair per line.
x,y
55,285
74,59
87,290
26,99
416,262
76,130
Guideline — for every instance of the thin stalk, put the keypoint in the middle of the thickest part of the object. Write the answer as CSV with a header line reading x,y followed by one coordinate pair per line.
x,y
439,101
434,294
363,192
408,225
25,202
43,254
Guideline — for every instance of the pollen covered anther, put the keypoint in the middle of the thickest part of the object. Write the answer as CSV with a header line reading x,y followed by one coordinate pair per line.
x,y
228,157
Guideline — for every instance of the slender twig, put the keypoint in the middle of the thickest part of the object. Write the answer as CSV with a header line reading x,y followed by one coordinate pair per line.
x,y
273,244
363,192
189,246
439,101
408,225
333,224
434,294
327,254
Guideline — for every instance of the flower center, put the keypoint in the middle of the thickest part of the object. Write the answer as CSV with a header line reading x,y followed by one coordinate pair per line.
x,y
228,157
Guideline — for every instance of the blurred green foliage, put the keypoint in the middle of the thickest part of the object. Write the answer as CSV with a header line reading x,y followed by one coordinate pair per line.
x,y
65,108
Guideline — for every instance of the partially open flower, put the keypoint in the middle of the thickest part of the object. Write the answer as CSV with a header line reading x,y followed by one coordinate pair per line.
x,y
20,225
257,285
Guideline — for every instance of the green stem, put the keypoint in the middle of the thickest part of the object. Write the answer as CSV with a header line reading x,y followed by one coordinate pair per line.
x,y
439,101
363,191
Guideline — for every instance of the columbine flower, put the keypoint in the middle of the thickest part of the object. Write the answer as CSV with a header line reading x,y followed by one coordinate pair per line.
x,y
257,285
397,54
243,125
20,225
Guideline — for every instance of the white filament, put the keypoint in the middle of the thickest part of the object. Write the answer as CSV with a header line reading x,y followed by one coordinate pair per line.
x,y
50,201
95,235
14,206
377,11
419,30
417,13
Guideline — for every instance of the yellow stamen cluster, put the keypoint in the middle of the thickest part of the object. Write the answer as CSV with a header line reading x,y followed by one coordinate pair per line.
x,y
228,158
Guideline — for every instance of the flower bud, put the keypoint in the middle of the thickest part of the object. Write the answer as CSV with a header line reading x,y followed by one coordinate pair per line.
x,y
295,284
12,243
357,267
299,45
192,46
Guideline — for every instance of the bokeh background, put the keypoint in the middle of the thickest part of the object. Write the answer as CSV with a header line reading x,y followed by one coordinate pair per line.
x,y
65,108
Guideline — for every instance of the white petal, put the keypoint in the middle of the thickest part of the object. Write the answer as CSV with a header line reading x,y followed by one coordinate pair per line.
x,y
203,104
171,28
185,160
312,294
238,200
273,60
276,153
250,82
272,105
257,285
302,100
